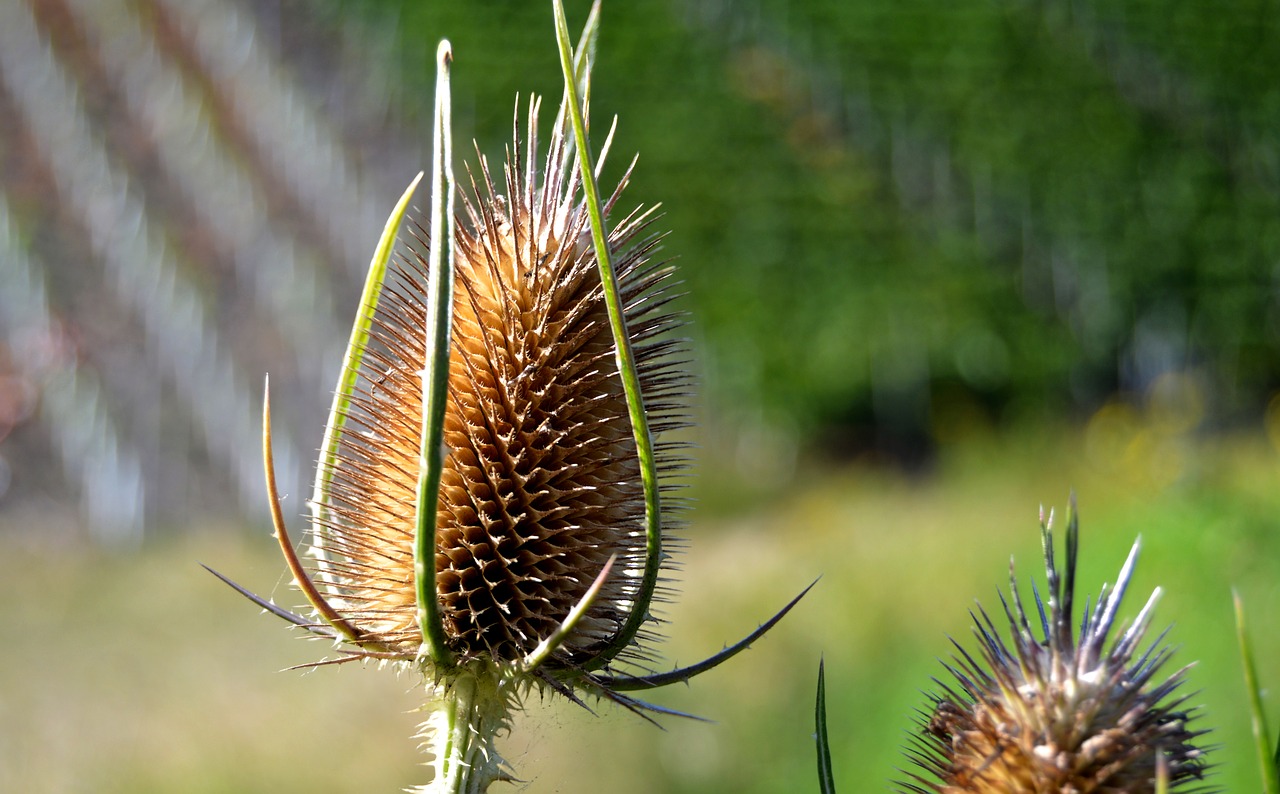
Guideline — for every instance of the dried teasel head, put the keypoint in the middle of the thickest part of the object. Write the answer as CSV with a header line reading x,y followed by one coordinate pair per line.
x,y
541,484
1057,711
493,503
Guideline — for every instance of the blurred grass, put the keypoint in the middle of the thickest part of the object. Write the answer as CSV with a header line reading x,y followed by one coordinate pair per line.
x,y
144,674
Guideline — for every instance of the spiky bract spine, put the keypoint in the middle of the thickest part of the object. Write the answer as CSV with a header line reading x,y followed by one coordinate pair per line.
x,y
541,484
1059,712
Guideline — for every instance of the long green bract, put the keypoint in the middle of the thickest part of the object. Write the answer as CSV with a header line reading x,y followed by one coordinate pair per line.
x,y
1261,736
826,780
584,56
350,372
435,375
622,349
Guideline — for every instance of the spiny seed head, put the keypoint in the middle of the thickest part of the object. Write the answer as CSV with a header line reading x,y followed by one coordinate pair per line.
x,y
493,497
1056,712
541,482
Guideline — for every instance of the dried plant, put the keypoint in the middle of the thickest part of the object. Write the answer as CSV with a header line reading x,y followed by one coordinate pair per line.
x,y
493,502
1057,711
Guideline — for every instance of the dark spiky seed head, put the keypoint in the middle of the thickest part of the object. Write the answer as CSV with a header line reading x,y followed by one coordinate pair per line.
x,y
1054,711
542,481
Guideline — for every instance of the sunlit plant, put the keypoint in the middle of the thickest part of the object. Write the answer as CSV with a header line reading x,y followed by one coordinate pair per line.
x,y
493,502
1060,702
1064,705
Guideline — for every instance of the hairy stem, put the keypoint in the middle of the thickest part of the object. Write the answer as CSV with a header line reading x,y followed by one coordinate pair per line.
x,y
468,715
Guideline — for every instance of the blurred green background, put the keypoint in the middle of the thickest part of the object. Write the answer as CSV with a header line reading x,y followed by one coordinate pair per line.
x,y
900,218
945,262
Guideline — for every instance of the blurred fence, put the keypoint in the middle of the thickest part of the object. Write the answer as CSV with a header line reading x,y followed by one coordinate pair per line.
x,y
898,221
183,209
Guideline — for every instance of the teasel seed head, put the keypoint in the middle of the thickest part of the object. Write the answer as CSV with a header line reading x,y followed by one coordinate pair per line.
x,y
541,484
493,502
1054,710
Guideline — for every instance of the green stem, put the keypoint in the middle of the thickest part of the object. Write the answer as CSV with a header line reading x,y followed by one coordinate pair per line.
x,y
461,733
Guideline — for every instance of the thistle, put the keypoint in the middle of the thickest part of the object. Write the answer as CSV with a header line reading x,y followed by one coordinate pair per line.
x,y
492,505
1054,711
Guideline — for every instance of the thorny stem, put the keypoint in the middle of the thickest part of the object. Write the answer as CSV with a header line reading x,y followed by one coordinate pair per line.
x,y
470,712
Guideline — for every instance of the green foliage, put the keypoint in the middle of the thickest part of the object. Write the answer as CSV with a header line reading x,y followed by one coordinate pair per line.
x,y
133,692
826,779
1267,762
883,208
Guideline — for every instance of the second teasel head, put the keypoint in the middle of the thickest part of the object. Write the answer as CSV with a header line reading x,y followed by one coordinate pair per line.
x,y
1061,705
